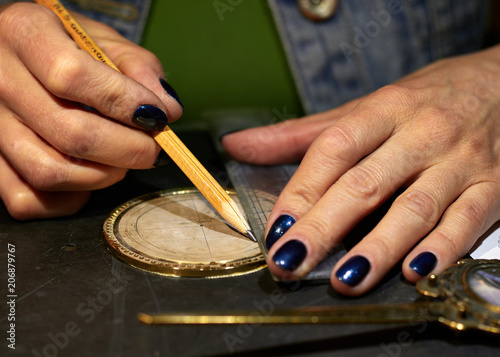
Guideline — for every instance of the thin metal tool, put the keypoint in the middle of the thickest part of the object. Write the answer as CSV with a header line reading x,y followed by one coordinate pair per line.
x,y
468,293
249,181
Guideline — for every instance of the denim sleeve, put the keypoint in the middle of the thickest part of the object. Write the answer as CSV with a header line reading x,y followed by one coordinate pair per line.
x,y
126,16
368,44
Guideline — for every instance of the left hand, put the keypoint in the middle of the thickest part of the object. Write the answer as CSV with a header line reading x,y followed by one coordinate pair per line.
x,y
435,132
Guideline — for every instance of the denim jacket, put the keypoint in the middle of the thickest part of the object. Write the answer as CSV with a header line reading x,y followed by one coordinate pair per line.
x,y
128,17
368,44
365,44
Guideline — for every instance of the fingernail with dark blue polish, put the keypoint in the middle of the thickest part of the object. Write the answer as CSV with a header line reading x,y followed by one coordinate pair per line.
x,y
354,270
290,255
150,117
423,263
280,226
162,159
171,91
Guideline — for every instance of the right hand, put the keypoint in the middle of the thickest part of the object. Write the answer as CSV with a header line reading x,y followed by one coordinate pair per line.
x,y
53,150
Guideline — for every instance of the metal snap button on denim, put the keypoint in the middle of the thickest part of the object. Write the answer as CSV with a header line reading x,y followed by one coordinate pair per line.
x,y
318,10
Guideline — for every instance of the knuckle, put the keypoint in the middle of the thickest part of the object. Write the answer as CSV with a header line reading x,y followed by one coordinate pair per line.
x,y
381,245
395,95
336,143
24,204
420,204
116,102
46,174
448,243
18,19
19,205
82,146
318,227
63,73
472,212
77,138
364,183
442,128
143,156
478,146
439,121
305,195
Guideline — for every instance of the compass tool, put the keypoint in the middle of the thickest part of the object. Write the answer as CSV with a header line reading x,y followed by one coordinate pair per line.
x,y
466,296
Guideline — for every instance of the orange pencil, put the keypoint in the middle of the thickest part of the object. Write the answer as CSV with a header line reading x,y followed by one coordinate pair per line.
x,y
167,139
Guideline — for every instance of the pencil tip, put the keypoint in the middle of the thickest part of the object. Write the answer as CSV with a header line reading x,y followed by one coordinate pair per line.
x,y
251,236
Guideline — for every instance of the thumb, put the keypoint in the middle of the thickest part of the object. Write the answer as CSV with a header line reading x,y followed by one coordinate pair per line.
x,y
135,62
281,143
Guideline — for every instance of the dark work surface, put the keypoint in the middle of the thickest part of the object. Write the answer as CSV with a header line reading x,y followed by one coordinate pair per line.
x,y
74,298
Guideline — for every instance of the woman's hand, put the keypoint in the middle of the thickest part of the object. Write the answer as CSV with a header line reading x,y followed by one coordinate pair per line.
x,y
54,149
435,132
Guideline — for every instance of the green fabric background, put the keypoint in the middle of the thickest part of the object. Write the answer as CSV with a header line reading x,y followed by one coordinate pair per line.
x,y
221,56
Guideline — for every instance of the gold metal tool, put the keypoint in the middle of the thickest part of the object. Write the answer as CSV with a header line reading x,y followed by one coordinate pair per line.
x,y
467,296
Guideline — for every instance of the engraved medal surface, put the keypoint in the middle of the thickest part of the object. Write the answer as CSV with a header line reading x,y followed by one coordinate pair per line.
x,y
178,233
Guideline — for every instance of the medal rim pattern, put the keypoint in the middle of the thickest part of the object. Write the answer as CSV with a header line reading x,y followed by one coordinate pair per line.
x,y
174,268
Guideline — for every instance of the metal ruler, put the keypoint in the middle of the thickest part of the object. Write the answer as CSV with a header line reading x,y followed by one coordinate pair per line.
x,y
255,184
249,183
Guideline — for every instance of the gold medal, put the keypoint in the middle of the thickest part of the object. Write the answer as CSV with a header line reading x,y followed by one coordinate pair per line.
x,y
178,233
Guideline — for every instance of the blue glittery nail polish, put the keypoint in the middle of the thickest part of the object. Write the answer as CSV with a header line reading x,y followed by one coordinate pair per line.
x,y
290,255
423,263
280,226
171,91
150,117
354,270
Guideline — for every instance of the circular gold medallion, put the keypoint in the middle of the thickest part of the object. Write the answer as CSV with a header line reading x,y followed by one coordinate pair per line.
x,y
178,233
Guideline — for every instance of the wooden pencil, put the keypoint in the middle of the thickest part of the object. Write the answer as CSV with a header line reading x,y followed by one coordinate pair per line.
x,y
173,146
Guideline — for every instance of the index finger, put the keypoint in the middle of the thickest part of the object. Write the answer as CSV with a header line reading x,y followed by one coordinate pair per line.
x,y
332,188
72,74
